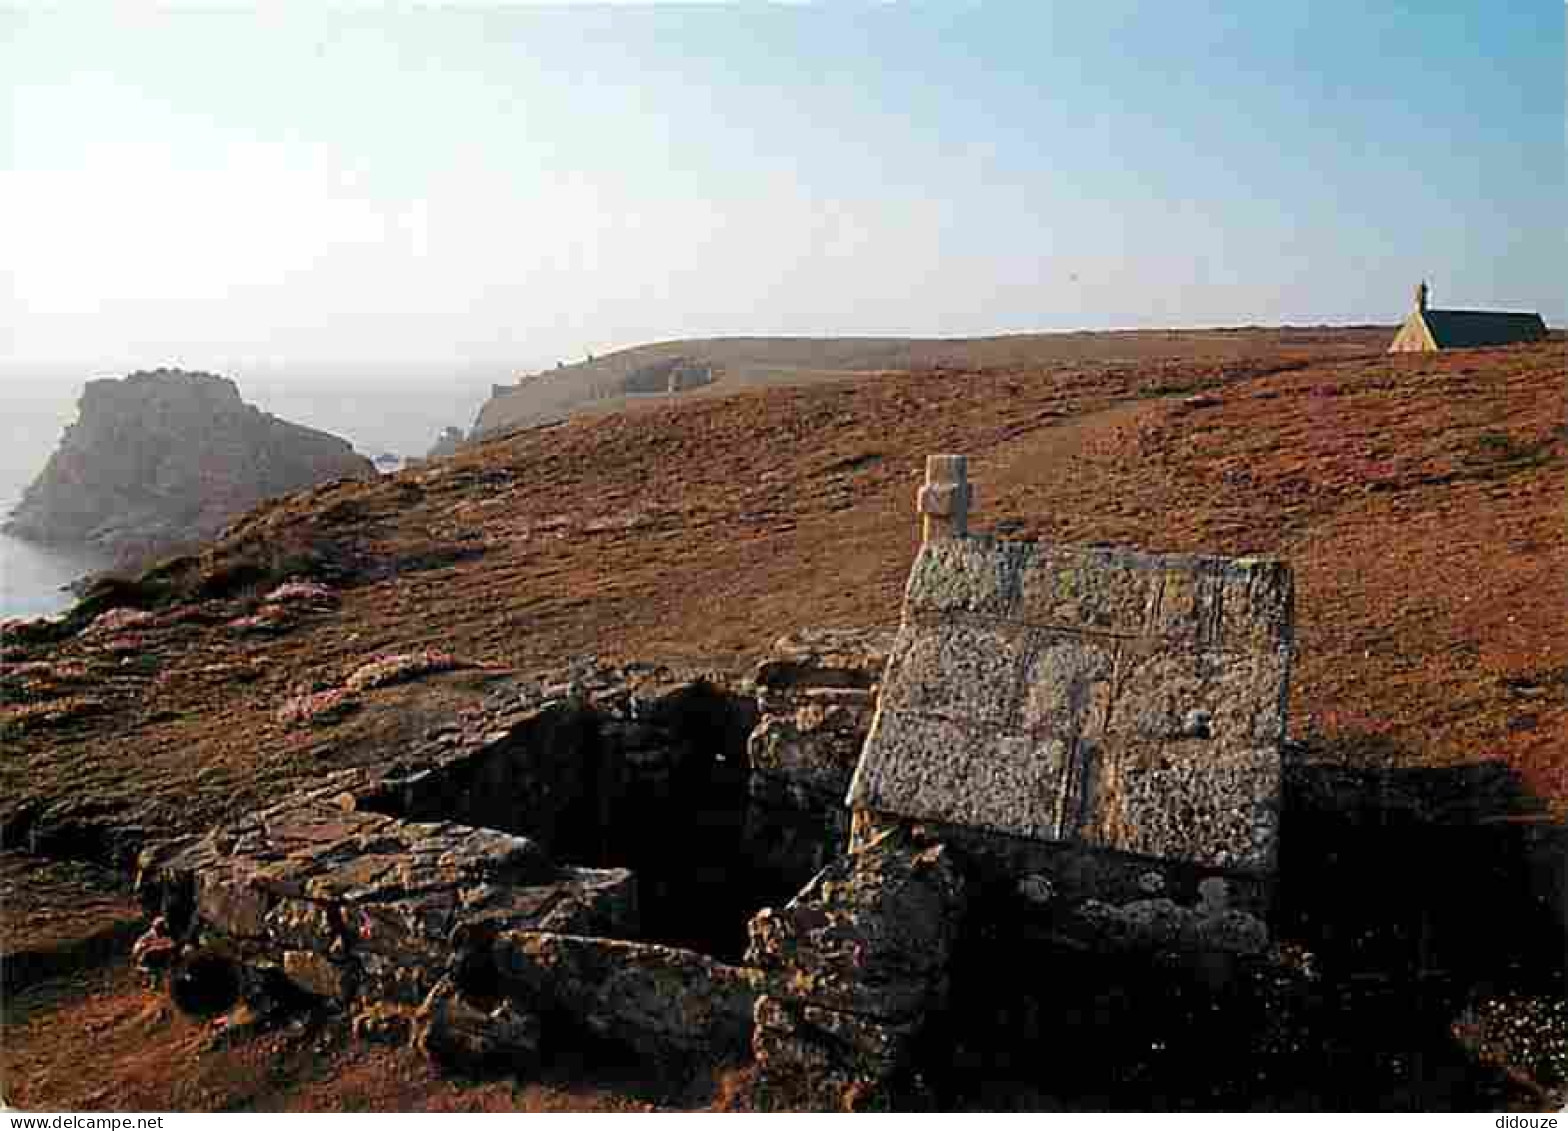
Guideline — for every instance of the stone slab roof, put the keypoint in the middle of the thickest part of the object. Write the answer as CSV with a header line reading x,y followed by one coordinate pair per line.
x,y
1129,701
1468,329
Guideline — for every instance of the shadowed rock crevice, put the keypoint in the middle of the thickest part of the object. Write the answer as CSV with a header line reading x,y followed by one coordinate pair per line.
x,y
648,775
1453,872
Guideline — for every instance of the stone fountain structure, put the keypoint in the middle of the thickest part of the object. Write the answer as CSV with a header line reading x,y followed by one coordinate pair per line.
x,y
1079,742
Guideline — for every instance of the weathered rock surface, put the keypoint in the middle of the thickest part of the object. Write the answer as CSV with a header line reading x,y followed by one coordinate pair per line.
x,y
1525,1037
816,693
168,457
454,1029
350,904
1164,924
659,1000
793,1037
856,961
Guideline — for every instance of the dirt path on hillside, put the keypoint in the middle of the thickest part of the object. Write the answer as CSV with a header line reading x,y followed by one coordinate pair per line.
x,y
848,564
1061,453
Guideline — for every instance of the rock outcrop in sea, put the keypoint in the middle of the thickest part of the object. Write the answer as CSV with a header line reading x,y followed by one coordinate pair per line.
x,y
165,458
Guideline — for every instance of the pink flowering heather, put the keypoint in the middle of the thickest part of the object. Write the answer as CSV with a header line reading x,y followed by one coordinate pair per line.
x,y
316,708
268,618
118,620
400,666
302,593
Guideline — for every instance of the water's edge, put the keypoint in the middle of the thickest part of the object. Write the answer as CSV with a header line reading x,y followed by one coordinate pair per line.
x,y
33,578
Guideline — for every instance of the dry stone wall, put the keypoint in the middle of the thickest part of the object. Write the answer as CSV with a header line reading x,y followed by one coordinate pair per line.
x,y
816,694
428,897
351,905
857,962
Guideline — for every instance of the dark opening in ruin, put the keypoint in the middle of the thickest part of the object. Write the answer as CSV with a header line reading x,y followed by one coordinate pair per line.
x,y
204,983
656,784
676,817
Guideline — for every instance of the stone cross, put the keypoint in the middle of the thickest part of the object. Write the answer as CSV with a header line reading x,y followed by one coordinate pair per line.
x,y
943,500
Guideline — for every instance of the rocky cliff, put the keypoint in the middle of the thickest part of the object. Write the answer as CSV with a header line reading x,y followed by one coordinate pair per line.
x,y
168,457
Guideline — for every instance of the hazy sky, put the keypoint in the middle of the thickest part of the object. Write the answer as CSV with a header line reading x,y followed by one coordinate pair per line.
x,y
499,187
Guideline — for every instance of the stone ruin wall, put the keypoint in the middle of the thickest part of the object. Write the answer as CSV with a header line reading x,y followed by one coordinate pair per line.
x,y
384,892
816,696
1091,722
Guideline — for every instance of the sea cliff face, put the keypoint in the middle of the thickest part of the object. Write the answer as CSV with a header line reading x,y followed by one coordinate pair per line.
x,y
168,457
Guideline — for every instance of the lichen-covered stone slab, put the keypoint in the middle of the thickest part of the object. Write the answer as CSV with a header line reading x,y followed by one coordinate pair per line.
x,y
1104,697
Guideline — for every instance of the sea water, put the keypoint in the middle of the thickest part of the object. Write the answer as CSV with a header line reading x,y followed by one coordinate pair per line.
x,y
402,415
33,577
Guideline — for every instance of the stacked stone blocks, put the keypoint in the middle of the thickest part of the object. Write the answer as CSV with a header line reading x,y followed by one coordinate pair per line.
x,y
349,905
856,963
816,694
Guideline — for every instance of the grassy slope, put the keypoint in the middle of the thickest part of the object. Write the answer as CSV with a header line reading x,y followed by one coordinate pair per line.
x,y
744,362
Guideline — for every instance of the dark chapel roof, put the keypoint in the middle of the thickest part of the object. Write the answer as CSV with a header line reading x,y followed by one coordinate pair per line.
x,y
1463,329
